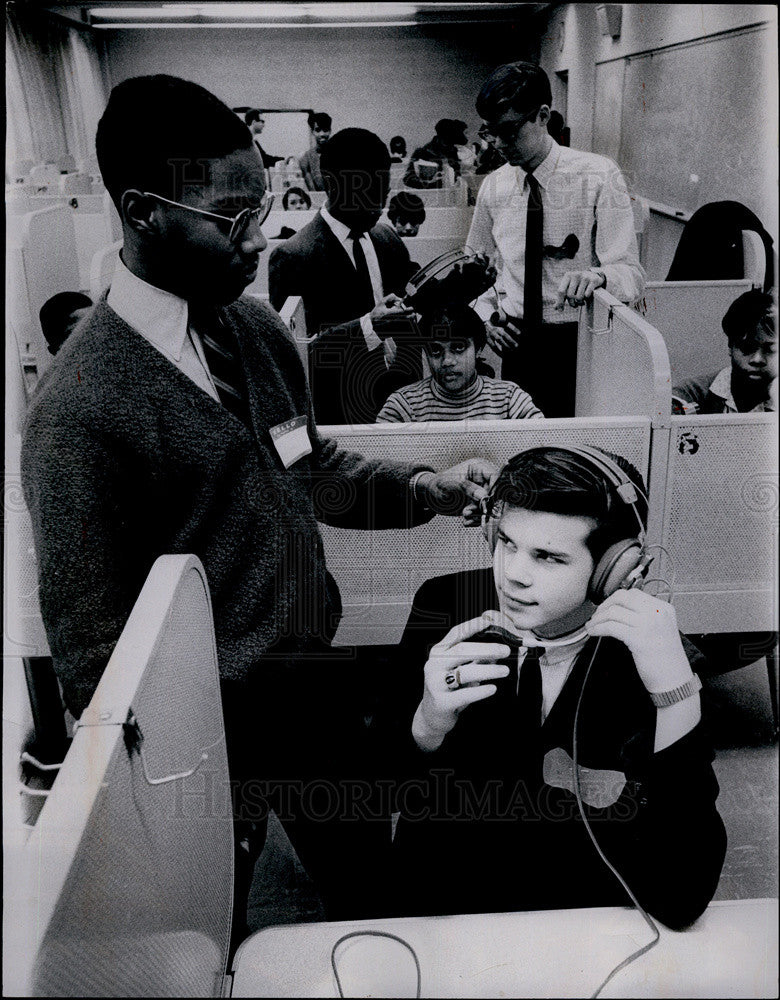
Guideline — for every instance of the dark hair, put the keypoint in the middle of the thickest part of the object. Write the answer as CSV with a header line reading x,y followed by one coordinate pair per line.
x,y
520,86
158,132
408,206
752,311
559,481
351,162
321,120
252,116
54,313
453,321
398,144
301,194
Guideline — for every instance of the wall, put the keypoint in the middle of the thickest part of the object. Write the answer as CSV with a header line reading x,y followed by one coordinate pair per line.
x,y
392,80
738,127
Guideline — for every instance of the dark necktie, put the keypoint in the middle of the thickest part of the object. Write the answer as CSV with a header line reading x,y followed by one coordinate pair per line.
x,y
365,288
220,348
534,246
529,700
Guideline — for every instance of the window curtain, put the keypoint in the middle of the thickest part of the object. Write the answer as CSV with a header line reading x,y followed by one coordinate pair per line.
x,y
54,89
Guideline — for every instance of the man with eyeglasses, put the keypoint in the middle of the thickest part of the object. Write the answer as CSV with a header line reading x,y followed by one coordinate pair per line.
x,y
561,222
177,419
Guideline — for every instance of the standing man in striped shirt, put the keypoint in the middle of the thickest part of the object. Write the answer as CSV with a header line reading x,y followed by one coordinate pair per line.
x,y
561,222
453,336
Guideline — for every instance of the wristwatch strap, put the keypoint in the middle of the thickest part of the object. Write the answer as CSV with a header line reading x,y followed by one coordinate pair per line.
x,y
663,698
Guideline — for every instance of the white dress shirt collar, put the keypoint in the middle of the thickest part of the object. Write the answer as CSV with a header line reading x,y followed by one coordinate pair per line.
x,y
340,230
159,316
546,168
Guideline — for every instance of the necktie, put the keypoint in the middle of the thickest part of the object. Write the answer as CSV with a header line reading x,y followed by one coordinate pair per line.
x,y
529,700
534,244
220,348
365,288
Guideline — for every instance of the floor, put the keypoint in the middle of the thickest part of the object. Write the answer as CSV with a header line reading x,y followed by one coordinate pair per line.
x,y
737,707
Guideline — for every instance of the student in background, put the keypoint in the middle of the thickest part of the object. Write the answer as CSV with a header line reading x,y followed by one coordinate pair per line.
x,y
398,149
493,822
59,316
320,125
295,199
749,383
406,211
351,272
562,224
452,337
255,121
427,163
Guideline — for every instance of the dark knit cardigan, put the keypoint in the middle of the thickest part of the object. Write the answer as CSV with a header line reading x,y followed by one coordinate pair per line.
x,y
125,459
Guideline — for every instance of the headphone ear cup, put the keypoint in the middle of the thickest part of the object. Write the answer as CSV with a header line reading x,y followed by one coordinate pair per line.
x,y
490,531
614,566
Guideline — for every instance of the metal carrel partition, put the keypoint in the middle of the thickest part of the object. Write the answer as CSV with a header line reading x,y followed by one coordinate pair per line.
x,y
720,520
124,887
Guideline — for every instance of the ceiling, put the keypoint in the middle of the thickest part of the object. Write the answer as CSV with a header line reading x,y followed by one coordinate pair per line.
x,y
185,14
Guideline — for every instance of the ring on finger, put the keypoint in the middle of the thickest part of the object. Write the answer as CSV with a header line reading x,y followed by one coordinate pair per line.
x,y
452,679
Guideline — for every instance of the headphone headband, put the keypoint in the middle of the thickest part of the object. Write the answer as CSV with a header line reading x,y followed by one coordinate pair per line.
x,y
623,486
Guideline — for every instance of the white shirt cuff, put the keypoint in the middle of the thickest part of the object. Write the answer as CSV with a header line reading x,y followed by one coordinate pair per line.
x,y
372,341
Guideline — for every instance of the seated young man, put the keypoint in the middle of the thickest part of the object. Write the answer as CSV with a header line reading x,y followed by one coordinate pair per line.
x,y
491,821
407,213
452,338
749,384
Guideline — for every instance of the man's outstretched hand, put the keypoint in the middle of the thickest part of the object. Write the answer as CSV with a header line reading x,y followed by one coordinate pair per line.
x,y
460,489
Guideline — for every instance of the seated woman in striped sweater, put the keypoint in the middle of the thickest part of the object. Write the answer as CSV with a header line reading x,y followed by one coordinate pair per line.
x,y
452,337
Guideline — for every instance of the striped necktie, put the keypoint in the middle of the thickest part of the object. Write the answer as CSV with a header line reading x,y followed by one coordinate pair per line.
x,y
223,357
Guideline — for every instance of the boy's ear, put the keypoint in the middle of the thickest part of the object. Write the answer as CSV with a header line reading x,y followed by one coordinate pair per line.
x,y
543,115
139,212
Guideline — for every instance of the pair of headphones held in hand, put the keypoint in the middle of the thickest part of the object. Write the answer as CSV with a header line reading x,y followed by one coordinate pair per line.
x,y
625,563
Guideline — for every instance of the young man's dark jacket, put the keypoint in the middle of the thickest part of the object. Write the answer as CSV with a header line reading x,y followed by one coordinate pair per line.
x,y
493,823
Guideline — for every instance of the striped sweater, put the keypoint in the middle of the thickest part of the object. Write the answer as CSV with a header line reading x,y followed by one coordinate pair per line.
x,y
485,399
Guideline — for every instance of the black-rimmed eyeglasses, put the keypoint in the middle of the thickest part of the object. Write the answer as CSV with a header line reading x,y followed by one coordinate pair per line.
x,y
506,132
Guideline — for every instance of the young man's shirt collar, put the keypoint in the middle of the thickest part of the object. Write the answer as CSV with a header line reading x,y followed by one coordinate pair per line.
x,y
721,387
159,316
556,664
546,168
162,319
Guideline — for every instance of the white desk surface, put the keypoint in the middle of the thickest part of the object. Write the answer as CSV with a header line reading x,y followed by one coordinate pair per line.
x,y
732,951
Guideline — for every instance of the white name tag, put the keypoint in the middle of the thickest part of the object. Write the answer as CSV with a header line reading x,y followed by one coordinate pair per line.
x,y
291,440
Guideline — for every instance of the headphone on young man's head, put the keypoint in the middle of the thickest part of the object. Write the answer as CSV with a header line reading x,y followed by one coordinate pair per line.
x,y
625,562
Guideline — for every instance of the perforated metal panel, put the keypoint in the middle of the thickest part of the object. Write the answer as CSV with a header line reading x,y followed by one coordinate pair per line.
x,y
378,572
135,877
622,364
721,521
